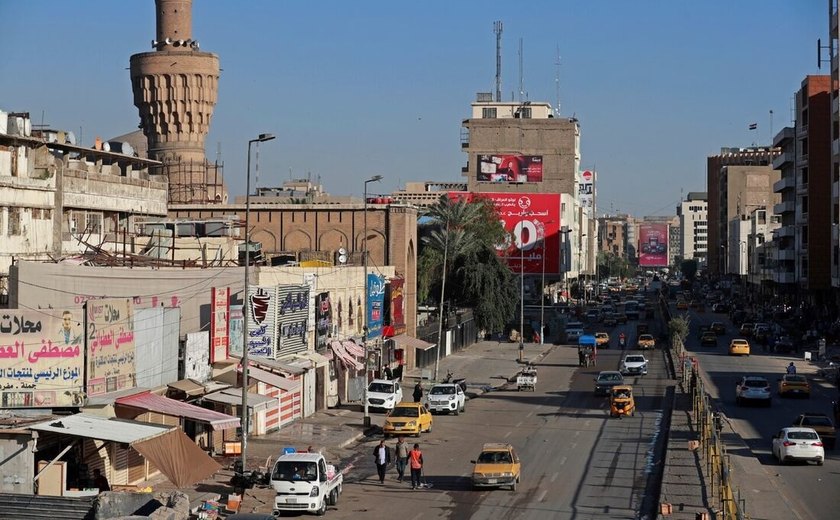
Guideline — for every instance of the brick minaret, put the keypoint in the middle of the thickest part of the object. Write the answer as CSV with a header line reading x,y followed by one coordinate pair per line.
x,y
175,89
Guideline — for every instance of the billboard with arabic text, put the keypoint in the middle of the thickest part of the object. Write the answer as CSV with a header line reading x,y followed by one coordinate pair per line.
x,y
110,334
376,305
41,358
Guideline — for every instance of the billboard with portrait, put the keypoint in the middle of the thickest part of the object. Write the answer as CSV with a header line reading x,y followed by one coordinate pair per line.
x,y
653,245
110,345
510,168
323,321
41,358
533,221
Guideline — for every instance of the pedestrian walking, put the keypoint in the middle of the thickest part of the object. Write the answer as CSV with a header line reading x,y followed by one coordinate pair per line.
x,y
401,453
791,369
418,392
415,461
381,457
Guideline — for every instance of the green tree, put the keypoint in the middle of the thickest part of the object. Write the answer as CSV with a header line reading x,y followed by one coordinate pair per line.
x,y
466,233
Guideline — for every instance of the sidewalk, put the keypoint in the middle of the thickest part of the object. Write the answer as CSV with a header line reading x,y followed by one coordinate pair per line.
x,y
487,365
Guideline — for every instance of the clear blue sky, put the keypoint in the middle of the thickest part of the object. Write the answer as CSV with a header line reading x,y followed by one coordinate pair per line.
x,y
354,89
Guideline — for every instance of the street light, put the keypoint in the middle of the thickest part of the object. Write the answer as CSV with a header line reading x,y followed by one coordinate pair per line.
x,y
542,290
246,307
442,289
375,178
521,241
581,287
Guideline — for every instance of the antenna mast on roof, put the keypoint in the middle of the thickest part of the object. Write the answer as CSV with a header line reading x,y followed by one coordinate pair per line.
x,y
497,28
521,59
557,82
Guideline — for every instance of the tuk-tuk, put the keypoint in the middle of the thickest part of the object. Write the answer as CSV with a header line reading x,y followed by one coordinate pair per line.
x,y
621,401
587,351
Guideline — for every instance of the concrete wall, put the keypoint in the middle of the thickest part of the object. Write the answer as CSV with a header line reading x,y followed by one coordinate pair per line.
x,y
17,464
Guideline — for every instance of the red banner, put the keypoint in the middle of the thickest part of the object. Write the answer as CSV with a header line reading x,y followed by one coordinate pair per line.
x,y
397,306
653,245
219,325
510,168
533,220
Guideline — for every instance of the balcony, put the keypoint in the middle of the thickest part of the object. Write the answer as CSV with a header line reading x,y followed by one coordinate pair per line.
x,y
785,254
802,131
835,189
785,183
784,277
835,146
802,188
784,207
785,231
783,159
785,134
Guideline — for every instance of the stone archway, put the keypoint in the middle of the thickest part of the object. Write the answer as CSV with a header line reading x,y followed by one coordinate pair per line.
x,y
297,240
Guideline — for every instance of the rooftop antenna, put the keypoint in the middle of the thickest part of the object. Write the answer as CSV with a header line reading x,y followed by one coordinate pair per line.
x,y
497,28
557,82
521,79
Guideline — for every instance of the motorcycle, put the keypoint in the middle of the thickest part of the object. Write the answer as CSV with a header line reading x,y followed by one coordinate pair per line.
x,y
622,342
247,479
460,381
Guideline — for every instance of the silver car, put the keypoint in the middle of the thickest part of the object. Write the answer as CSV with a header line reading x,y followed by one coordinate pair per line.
x,y
634,364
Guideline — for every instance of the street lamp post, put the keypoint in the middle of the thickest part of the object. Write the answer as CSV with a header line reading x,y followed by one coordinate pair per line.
x,y
246,307
581,286
521,286
375,178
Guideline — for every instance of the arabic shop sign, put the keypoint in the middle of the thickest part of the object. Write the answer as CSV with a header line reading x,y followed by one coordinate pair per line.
x,y
41,358
293,319
376,305
110,334
260,339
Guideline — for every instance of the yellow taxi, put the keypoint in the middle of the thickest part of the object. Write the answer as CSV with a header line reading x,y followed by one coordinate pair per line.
x,y
794,384
739,347
497,465
408,419
602,339
646,341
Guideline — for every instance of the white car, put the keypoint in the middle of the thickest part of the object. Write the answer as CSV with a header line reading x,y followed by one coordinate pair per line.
x,y
384,394
447,397
752,388
633,364
796,443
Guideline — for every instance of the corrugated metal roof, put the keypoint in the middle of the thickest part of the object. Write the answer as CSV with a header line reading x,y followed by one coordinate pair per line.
x,y
95,427
167,406
233,396
275,380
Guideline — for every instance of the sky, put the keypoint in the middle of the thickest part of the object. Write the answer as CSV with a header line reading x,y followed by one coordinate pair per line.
x,y
356,89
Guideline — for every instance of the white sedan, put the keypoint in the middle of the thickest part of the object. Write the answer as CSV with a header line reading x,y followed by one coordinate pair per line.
x,y
795,443
634,364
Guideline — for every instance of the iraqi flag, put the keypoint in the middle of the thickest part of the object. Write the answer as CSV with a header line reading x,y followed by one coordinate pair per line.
x,y
753,126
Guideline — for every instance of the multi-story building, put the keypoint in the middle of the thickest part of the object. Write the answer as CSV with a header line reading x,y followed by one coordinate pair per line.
x,y
739,181
733,166
693,215
426,193
804,249
834,32
760,253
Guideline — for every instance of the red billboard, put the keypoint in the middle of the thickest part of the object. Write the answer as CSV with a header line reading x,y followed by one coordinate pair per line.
x,y
653,245
510,168
533,220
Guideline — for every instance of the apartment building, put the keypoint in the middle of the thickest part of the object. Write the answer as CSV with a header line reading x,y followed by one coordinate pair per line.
x,y
694,233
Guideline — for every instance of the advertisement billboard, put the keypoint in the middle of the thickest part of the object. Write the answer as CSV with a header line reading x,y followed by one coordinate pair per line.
x,y
260,338
219,324
292,318
376,304
397,302
41,358
323,321
236,330
653,245
110,333
533,221
510,168
586,191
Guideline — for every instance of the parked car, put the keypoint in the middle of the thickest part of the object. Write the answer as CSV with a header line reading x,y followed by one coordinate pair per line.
x,y
747,328
821,423
739,347
752,389
497,465
447,398
718,328
634,364
573,332
606,380
792,444
408,419
384,394
794,384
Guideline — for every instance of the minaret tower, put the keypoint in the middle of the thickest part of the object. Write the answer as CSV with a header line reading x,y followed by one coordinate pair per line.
x,y
175,89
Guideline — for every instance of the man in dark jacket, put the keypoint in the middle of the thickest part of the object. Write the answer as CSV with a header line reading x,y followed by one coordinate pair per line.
x,y
381,457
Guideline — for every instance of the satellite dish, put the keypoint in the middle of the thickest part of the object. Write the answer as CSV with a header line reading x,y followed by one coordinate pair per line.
x,y
342,251
342,256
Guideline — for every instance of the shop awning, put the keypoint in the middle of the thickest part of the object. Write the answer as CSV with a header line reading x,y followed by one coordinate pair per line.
x,y
188,386
274,380
111,397
233,397
315,357
354,348
347,358
404,340
164,405
169,449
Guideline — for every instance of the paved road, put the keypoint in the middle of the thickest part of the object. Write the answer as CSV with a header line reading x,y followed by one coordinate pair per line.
x,y
808,491
578,462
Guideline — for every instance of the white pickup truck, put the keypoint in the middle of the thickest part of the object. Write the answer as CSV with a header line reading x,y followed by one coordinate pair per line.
x,y
304,482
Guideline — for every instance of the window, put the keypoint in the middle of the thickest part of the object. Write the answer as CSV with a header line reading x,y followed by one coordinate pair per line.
x,y
488,113
14,221
805,175
93,223
805,205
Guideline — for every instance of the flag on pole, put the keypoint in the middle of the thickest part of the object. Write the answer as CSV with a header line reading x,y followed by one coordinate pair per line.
x,y
753,126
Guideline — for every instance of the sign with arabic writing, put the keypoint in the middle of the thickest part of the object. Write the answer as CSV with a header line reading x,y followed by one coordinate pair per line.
x,y
237,323
260,338
110,345
219,324
323,321
533,221
292,319
41,358
376,304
